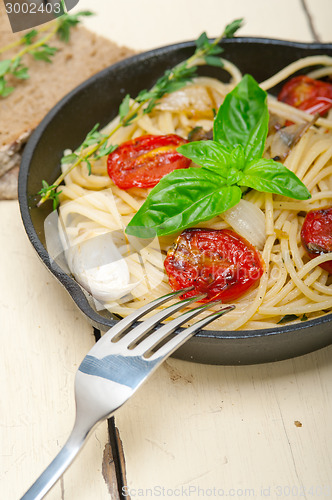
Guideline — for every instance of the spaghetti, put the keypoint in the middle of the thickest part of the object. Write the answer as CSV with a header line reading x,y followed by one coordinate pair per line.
x,y
292,285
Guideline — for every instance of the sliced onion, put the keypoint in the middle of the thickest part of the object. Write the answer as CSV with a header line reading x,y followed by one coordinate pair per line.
x,y
248,221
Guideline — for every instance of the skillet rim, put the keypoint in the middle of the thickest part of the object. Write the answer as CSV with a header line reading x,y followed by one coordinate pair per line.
x,y
68,282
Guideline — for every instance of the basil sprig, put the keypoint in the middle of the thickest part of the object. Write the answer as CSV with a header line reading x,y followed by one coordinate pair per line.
x,y
233,160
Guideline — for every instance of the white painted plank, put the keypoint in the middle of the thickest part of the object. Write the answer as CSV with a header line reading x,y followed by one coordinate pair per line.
x,y
232,428
147,24
321,15
43,339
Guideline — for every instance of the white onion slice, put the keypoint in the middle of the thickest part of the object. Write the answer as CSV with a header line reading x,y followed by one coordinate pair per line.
x,y
96,263
248,221
98,266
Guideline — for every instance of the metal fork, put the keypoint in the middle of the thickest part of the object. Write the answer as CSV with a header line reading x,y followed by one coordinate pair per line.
x,y
116,366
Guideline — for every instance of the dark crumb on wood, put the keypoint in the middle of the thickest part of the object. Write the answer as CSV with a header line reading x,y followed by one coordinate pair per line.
x,y
176,376
297,423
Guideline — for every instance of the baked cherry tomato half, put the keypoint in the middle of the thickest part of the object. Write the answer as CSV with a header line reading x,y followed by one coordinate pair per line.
x,y
219,263
316,234
142,162
313,96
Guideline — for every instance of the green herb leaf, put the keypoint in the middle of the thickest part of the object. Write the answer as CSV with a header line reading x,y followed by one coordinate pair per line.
x,y
202,41
19,70
243,118
287,318
89,166
214,61
28,38
105,150
172,80
5,66
91,138
70,158
232,28
203,44
52,193
22,73
68,21
181,199
44,53
208,154
124,107
236,166
270,176
5,89
231,161
36,45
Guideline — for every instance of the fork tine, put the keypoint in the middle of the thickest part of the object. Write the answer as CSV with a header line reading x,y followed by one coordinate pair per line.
x,y
107,382
128,321
147,325
161,333
175,342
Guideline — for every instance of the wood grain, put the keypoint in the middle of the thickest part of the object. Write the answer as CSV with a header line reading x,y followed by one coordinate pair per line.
x,y
43,339
231,428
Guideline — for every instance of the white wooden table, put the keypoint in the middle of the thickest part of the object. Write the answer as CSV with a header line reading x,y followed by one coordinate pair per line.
x,y
193,430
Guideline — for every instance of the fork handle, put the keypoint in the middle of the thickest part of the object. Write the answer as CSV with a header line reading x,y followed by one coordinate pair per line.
x,y
57,467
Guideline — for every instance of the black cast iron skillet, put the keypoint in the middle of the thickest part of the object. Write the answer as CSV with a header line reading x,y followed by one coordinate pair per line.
x,y
97,100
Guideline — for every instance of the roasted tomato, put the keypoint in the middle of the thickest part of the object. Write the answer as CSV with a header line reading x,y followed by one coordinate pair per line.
x,y
142,162
316,234
313,96
217,262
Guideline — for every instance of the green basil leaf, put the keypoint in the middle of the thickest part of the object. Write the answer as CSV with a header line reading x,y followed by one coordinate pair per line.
x,y
208,154
257,137
243,118
237,159
182,199
270,176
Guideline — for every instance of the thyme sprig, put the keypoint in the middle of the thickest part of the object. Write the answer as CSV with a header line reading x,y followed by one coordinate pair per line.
x,y
96,144
54,193
35,43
